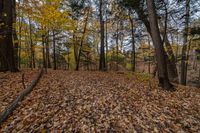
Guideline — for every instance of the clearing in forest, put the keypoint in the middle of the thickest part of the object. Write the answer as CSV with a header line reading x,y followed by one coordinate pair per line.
x,y
104,102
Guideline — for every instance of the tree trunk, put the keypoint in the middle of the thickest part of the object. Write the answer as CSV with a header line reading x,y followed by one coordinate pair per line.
x,y
15,38
7,54
117,47
149,64
106,25
47,51
133,44
184,49
102,62
43,53
20,42
171,60
159,49
82,40
54,52
32,49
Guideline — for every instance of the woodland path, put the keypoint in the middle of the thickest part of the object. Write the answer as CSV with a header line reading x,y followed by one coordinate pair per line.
x,y
104,102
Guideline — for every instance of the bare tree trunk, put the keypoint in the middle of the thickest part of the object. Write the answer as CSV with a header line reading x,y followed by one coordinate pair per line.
x,y
117,46
133,44
149,64
20,41
32,49
188,56
184,49
106,44
75,49
177,49
102,62
68,58
43,53
159,49
54,52
47,51
82,40
20,35
15,38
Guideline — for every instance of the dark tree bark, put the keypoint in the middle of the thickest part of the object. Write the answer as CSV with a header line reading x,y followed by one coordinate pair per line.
x,y
15,38
133,44
75,48
102,62
7,54
184,49
47,51
149,64
171,60
43,53
159,49
54,52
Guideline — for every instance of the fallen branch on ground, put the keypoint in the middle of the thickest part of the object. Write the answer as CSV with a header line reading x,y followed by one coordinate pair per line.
x,y
4,115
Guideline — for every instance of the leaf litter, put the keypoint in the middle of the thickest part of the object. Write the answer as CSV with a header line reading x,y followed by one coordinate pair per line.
x,y
65,101
11,85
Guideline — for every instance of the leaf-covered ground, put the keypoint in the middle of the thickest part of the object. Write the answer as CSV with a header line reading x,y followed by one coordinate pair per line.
x,y
11,85
104,102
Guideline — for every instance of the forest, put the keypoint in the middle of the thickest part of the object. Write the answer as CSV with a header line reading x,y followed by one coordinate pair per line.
x,y
84,66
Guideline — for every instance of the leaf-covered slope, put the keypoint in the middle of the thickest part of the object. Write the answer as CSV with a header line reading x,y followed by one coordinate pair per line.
x,y
101,102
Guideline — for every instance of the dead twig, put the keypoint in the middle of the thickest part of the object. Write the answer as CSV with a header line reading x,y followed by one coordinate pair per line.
x,y
23,83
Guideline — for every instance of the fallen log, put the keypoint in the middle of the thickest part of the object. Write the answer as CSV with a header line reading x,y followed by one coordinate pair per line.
x,y
4,115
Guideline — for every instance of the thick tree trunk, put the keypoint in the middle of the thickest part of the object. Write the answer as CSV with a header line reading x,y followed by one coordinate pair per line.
x,y
184,49
171,60
102,62
7,54
159,49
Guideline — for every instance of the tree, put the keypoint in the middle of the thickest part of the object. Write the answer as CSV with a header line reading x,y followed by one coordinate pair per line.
x,y
83,37
102,61
32,49
133,43
184,49
7,52
159,49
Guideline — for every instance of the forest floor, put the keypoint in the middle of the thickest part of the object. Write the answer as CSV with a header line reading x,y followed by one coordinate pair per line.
x,y
11,84
104,102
